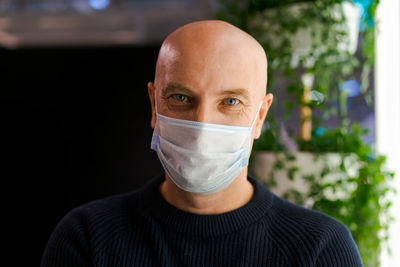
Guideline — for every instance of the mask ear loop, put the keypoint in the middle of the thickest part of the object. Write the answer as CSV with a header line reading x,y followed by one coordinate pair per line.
x,y
155,141
155,100
258,111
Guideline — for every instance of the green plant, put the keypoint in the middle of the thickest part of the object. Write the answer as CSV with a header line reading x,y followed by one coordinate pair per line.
x,y
365,207
358,198
364,204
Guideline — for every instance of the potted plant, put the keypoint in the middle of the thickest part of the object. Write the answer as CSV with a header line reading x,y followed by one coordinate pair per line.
x,y
310,46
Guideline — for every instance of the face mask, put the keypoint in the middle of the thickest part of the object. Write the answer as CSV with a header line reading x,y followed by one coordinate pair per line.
x,y
200,157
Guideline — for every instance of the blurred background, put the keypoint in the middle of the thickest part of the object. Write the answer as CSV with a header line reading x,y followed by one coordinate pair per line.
x,y
74,77
55,23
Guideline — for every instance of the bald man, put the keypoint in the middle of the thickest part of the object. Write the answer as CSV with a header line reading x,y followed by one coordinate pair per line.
x,y
208,104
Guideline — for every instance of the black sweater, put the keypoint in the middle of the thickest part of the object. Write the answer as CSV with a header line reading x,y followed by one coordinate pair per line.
x,y
142,229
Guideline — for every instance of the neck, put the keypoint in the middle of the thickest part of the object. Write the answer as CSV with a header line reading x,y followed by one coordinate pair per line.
x,y
237,194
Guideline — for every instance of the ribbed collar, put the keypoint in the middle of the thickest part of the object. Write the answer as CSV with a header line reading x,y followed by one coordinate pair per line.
x,y
205,225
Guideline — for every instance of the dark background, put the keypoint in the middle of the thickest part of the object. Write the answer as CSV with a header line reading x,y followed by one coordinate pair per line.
x,y
79,130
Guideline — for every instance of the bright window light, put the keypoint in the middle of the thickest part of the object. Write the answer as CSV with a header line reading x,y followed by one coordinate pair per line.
x,y
99,4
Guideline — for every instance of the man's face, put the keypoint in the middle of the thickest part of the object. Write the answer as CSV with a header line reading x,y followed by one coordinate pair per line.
x,y
211,82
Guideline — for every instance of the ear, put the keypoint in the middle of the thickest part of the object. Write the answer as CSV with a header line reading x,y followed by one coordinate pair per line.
x,y
266,104
150,90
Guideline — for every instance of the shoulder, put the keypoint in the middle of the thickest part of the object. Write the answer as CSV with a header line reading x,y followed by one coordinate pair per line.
x,y
107,217
304,233
85,231
283,215
113,209
308,220
100,213
94,220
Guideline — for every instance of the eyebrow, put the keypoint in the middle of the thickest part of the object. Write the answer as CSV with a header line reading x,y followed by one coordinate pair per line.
x,y
174,87
177,87
237,92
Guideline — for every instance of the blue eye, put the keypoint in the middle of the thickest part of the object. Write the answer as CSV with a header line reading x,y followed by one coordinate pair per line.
x,y
180,98
231,101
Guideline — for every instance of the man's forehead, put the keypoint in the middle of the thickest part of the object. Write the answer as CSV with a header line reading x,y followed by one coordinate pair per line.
x,y
208,39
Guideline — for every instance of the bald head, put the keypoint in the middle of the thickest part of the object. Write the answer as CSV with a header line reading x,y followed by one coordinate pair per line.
x,y
215,45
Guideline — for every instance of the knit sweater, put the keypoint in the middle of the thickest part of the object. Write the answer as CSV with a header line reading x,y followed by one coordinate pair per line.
x,y
141,229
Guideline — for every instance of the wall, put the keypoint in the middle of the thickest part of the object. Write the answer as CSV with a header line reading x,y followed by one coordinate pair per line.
x,y
79,130
387,101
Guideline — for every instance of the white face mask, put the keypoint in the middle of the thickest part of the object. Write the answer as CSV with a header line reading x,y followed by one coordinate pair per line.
x,y
200,157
